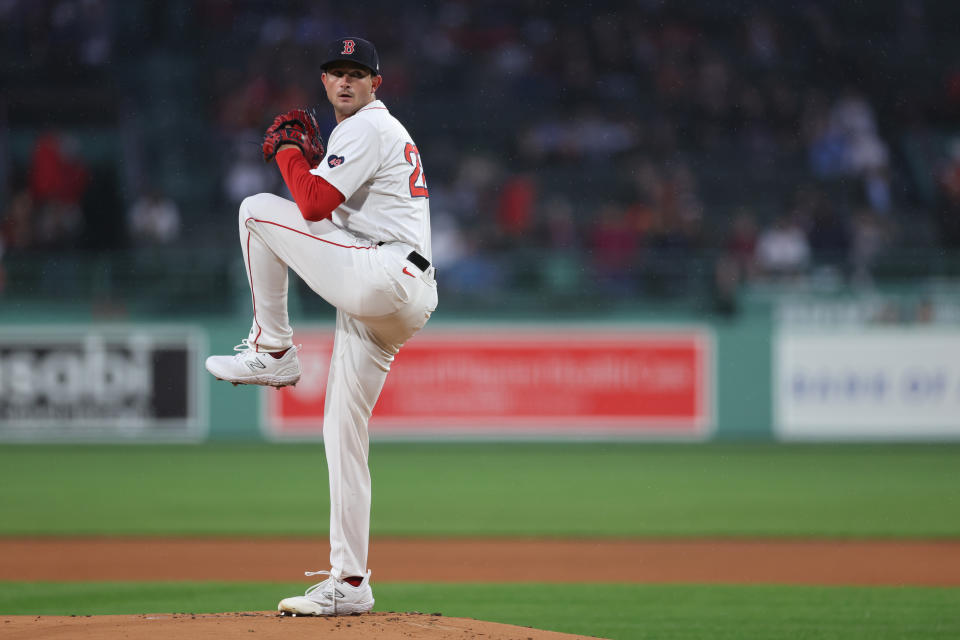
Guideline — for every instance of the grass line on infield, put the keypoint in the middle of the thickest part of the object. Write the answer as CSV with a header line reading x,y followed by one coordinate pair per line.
x,y
619,611
550,489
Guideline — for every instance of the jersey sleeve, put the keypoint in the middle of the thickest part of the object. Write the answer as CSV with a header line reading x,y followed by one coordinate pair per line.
x,y
315,197
353,155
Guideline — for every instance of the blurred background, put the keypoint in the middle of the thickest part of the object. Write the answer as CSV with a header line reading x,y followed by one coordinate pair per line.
x,y
756,176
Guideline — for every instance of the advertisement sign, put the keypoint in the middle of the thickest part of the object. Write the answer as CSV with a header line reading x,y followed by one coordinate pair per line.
x,y
521,382
79,383
901,383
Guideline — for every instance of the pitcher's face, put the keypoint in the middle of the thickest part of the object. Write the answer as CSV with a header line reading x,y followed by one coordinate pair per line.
x,y
350,87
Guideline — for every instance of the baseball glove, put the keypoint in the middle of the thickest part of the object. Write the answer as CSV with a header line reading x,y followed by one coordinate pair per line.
x,y
298,127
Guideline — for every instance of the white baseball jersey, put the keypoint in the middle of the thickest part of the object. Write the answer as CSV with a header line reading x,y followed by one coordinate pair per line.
x,y
382,298
374,163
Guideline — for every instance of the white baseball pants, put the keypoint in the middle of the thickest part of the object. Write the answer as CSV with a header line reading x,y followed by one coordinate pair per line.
x,y
380,305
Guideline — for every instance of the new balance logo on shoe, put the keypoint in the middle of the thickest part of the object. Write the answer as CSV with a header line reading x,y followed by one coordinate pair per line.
x,y
255,364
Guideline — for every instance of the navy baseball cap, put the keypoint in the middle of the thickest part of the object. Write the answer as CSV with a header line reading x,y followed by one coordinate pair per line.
x,y
353,50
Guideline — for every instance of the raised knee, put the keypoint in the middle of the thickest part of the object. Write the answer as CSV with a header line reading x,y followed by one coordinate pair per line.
x,y
251,205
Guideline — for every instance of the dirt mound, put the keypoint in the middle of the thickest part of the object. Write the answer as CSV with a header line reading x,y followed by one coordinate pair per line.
x,y
264,625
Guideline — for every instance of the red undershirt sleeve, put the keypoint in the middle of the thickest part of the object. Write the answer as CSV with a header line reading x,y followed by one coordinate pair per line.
x,y
315,197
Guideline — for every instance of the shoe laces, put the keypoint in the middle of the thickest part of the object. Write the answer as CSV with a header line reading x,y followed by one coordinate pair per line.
x,y
243,348
246,347
326,588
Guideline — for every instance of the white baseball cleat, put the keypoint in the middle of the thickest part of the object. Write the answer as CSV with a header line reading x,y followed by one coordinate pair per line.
x,y
332,597
250,367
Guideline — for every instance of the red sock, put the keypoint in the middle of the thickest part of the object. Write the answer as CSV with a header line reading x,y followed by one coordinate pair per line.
x,y
279,354
353,581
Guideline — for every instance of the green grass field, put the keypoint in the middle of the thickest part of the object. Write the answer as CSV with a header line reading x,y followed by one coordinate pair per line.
x,y
522,489
519,489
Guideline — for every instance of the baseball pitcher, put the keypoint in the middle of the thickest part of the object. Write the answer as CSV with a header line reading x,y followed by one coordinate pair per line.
x,y
358,233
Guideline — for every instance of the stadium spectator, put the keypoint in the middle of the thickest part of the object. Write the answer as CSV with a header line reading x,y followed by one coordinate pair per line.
x,y
154,219
947,213
741,247
58,180
613,244
828,233
783,251
16,229
17,225
515,208
558,229
870,236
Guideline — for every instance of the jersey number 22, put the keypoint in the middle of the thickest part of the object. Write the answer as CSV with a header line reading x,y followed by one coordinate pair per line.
x,y
418,181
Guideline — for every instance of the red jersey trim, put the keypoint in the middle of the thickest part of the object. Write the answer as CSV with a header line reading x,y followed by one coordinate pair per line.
x,y
336,244
253,295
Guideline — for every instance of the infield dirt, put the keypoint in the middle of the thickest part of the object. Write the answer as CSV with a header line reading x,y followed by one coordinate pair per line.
x,y
817,562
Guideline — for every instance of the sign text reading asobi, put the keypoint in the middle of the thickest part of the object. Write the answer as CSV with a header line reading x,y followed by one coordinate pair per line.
x,y
588,382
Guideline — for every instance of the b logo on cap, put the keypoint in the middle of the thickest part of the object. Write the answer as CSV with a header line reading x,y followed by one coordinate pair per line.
x,y
349,46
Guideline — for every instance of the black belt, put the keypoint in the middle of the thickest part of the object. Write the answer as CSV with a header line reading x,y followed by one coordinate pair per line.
x,y
418,260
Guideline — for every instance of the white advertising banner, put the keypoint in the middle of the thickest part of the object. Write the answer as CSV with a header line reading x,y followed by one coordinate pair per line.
x,y
867,384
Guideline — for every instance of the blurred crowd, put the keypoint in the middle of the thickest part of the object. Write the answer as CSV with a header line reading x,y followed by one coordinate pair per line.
x,y
639,144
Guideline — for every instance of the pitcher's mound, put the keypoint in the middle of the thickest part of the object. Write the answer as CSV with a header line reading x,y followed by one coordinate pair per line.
x,y
264,625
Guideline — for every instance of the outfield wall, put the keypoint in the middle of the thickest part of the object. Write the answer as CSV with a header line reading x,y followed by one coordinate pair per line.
x,y
759,376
